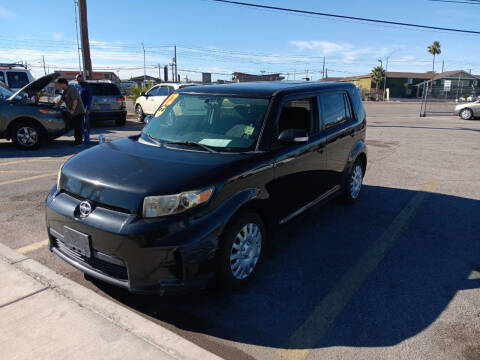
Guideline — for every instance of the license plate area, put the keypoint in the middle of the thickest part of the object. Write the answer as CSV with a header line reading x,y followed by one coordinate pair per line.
x,y
77,241
105,106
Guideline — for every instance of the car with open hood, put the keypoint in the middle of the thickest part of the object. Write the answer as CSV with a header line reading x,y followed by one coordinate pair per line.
x,y
198,194
26,120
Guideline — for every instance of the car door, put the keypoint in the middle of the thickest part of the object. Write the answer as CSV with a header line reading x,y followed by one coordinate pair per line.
x,y
338,128
155,100
299,168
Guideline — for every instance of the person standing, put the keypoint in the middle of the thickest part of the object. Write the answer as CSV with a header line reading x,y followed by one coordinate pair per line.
x,y
86,95
75,108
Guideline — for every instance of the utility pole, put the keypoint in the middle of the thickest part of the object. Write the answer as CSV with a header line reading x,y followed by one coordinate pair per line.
x,y
159,73
323,69
173,71
87,62
44,68
144,68
443,65
175,62
385,82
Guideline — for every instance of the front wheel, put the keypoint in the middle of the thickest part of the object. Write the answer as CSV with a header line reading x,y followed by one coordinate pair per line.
x,y
139,113
241,250
354,183
466,114
28,135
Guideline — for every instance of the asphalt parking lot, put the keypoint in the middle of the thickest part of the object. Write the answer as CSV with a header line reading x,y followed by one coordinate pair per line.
x,y
397,275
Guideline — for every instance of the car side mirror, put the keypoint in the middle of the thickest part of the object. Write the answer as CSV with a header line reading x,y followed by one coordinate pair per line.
x,y
143,93
289,136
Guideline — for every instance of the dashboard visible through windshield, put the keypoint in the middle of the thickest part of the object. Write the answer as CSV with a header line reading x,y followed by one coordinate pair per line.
x,y
218,122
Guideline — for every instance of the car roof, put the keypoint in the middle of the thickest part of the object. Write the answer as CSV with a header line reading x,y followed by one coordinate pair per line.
x,y
265,89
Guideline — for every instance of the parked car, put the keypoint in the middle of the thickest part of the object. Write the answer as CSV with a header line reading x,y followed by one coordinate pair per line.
x,y
200,191
15,76
469,110
108,103
150,101
25,120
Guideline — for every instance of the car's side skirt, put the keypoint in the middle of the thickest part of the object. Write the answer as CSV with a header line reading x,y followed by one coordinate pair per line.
x,y
310,204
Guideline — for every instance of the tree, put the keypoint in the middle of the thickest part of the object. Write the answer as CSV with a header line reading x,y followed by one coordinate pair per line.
x,y
435,50
378,75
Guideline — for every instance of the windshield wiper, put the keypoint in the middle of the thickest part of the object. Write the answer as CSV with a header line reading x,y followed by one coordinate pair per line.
x,y
191,143
152,139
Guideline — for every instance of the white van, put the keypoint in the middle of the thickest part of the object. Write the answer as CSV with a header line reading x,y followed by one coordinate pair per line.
x,y
15,76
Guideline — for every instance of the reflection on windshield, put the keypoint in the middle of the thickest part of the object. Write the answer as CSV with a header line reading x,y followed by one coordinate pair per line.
x,y
5,93
215,121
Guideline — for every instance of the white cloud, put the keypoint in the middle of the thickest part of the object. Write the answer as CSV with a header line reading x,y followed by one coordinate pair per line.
x,y
326,47
5,13
58,35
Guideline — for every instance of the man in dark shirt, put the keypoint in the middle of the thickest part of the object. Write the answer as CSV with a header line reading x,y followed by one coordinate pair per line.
x,y
86,95
75,108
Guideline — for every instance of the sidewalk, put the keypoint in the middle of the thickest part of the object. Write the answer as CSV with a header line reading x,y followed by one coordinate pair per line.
x,y
46,316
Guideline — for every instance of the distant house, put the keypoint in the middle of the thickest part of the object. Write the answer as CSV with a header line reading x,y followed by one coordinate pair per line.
x,y
400,84
450,85
242,77
96,75
142,81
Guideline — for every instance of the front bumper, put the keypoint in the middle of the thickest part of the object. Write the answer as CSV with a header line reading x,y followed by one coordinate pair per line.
x,y
165,255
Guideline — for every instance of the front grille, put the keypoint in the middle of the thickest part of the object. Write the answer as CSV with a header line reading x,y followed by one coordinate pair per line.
x,y
105,206
116,271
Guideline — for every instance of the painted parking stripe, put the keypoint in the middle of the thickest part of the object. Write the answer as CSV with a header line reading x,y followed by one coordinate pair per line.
x,y
309,334
28,178
30,160
32,247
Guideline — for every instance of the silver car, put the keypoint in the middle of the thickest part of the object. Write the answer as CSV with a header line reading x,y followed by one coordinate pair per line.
x,y
26,120
108,103
469,110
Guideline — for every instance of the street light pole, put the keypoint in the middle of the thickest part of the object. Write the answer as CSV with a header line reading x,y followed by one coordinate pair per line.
x,y
385,82
144,68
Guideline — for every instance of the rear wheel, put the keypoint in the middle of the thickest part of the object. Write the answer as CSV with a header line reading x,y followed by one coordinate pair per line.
x,y
28,135
466,114
139,113
354,183
121,121
241,250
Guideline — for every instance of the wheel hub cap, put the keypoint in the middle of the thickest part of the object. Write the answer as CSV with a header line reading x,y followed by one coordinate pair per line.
x,y
27,136
356,181
245,251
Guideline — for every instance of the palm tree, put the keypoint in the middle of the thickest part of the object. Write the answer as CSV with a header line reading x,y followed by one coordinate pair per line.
x,y
434,49
377,75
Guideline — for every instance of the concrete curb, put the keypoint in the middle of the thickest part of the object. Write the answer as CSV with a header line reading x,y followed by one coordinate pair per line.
x,y
154,334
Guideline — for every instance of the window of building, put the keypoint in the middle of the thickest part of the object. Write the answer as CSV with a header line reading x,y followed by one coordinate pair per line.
x,y
410,81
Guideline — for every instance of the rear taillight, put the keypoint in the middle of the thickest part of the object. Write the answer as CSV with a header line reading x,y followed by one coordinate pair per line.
x,y
121,99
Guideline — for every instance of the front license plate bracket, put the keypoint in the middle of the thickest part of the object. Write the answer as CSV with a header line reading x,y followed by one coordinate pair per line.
x,y
77,241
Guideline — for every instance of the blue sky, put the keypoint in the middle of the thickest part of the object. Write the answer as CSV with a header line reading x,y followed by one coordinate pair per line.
x,y
225,38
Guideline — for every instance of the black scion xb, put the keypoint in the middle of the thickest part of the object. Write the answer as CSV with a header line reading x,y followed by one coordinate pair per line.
x,y
196,195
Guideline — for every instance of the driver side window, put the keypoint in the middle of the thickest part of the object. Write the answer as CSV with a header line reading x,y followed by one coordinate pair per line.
x,y
153,92
297,114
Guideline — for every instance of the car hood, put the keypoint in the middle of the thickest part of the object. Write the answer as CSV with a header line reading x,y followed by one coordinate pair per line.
x,y
122,172
36,85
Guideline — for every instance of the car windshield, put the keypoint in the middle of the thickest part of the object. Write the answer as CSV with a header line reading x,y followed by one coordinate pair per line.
x,y
5,93
224,123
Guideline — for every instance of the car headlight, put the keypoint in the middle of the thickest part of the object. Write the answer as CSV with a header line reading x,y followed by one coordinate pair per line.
x,y
154,206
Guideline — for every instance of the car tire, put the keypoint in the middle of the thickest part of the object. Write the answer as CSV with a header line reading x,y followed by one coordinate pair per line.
x,y
353,183
28,134
121,121
139,113
466,114
240,251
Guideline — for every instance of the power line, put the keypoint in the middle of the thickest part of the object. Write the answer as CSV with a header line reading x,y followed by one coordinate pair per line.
x,y
458,2
345,17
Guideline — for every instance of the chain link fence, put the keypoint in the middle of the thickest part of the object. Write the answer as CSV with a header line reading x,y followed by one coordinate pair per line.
x,y
448,90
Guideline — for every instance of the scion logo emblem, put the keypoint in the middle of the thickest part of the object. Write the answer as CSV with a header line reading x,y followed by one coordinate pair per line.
x,y
85,208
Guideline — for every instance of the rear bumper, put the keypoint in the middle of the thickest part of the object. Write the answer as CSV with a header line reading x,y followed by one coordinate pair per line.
x,y
107,115
159,256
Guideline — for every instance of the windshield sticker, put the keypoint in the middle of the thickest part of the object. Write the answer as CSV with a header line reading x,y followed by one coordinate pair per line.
x,y
160,111
215,142
248,130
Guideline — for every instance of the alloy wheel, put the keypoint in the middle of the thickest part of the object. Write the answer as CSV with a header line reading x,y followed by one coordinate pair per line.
x,y
245,251
356,181
27,136
139,113
466,114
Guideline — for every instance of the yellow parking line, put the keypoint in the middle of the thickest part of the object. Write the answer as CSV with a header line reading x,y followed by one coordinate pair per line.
x,y
28,178
32,247
28,161
309,334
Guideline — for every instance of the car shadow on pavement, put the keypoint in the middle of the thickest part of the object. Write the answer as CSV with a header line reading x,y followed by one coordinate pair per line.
x,y
64,145
414,283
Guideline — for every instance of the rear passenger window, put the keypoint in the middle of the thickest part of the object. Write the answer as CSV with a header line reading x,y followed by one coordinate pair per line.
x,y
335,108
104,89
17,79
297,114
